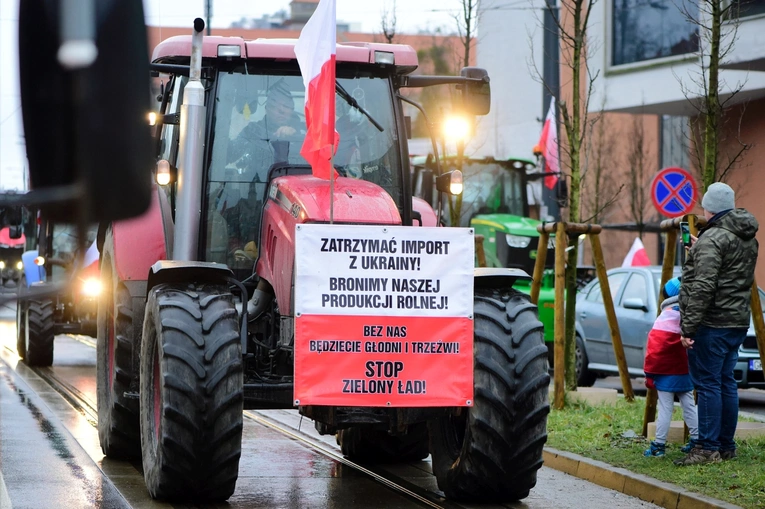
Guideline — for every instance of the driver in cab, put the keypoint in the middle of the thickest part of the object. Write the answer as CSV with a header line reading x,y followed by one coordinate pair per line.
x,y
279,127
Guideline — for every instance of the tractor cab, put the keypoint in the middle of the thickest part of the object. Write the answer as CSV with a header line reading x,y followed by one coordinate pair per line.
x,y
494,202
256,112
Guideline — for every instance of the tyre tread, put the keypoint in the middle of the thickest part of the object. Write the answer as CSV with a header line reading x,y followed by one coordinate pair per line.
x,y
507,425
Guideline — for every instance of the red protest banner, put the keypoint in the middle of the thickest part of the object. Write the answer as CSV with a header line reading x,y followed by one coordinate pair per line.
x,y
377,323
384,361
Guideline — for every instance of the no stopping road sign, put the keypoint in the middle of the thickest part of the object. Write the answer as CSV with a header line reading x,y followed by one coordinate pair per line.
x,y
674,192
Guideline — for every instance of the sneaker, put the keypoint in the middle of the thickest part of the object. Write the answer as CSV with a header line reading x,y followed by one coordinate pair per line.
x,y
690,445
699,456
656,449
728,454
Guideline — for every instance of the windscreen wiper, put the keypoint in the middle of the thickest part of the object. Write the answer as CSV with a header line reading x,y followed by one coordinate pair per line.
x,y
342,92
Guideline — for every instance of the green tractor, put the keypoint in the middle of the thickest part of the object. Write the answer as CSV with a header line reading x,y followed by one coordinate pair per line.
x,y
495,204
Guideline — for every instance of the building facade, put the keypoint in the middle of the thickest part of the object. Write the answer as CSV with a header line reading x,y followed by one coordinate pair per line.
x,y
650,59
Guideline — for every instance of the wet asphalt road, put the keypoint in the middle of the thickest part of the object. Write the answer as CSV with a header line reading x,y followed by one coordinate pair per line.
x,y
50,456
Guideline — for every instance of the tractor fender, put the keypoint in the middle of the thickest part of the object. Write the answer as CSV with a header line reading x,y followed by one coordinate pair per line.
x,y
179,272
34,273
490,277
141,241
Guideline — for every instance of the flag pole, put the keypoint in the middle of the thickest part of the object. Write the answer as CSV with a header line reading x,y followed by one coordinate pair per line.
x,y
331,189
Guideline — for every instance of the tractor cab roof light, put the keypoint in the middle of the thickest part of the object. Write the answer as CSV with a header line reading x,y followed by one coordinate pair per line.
x,y
228,50
385,57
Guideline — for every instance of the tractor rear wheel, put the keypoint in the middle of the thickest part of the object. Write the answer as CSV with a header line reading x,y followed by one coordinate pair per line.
x,y
191,393
492,450
118,428
39,333
370,445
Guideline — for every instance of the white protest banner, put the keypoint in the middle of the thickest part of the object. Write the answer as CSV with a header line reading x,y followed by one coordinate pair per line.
x,y
383,315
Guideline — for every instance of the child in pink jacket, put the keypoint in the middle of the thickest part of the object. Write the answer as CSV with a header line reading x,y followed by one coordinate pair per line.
x,y
666,370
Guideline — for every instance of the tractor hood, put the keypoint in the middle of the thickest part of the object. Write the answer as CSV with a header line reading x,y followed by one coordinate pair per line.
x,y
307,198
506,223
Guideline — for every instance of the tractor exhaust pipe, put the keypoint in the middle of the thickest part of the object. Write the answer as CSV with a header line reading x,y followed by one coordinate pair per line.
x,y
191,144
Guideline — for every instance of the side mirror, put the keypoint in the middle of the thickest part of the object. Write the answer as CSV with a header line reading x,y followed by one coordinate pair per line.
x,y
634,303
476,93
85,125
450,182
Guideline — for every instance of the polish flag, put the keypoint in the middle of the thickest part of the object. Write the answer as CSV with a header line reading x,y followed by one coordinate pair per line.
x,y
637,256
315,52
548,144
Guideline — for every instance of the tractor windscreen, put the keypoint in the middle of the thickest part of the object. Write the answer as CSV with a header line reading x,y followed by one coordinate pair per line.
x,y
63,253
489,188
259,120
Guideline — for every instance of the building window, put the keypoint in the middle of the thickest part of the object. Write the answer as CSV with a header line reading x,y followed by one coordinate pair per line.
x,y
675,135
648,29
747,8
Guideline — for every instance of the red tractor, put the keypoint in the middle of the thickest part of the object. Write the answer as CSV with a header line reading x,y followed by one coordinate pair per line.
x,y
197,323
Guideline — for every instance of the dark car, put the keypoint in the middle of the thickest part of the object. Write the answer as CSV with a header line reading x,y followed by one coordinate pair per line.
x,y
634,291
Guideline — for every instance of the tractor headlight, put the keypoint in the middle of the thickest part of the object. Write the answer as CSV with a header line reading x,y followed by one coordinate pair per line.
x,y
517,241
19,265
2,264
91,287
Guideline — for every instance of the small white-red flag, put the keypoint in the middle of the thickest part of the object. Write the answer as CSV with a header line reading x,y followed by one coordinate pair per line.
x,y
637,255
548,144
316,52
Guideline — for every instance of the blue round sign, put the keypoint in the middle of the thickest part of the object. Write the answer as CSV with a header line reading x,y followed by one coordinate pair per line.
x,y
674,192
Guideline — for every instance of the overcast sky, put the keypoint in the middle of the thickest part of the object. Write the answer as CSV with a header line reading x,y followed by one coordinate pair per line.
x,y
411,15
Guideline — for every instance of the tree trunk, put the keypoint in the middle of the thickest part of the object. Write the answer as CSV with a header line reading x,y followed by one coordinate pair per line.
x,y
712,100
574,132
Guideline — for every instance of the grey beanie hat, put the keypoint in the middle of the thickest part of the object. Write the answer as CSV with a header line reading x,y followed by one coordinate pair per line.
x,y
718,197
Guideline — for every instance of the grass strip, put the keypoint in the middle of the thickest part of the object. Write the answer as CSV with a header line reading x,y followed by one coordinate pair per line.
x,y
611,434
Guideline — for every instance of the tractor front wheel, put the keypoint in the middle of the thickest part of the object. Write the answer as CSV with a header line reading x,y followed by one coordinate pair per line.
x,y
491,452
370,445
191,393
118,429
38,330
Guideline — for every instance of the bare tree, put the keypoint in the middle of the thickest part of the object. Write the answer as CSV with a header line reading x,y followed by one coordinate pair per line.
x,y
467,21
641,168
573,24
717,24
600,188
388,23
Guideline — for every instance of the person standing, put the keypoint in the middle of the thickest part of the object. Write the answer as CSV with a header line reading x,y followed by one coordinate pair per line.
x,y
666,370
714,317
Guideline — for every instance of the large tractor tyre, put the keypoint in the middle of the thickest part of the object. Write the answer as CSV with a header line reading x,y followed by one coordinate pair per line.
x,y
491,452
21,329
191,393
39,333
584,377
118,424
369,445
